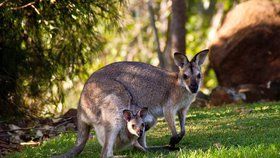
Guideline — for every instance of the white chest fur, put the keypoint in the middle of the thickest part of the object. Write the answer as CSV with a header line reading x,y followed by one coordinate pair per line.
x,y
157,111
185,102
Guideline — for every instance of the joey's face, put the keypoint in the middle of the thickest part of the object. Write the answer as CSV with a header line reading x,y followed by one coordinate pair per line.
x,y
189,75
135,122
136,126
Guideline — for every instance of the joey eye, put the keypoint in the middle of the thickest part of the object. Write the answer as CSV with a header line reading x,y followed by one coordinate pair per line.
x,y
198,75
133,126
185,76
142,125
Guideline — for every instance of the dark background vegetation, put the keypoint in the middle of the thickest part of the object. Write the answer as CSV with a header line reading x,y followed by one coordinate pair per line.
x,y
44,43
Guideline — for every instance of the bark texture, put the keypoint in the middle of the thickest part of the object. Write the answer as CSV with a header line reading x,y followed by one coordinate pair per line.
x,y
176,41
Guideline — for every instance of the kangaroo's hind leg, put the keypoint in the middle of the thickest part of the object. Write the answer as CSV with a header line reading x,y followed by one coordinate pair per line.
x,y
83,134
110,138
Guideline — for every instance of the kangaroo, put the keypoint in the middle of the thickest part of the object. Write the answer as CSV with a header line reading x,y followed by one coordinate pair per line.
x,y
164,93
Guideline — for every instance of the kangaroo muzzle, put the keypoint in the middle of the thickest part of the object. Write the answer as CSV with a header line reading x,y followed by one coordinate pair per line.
x,y
139,132
193,88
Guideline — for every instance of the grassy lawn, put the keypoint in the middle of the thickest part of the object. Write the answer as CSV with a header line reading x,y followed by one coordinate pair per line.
x,y
251,130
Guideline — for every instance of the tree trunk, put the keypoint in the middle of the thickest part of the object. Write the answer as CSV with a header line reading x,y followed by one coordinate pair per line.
x,y
177,31
176,34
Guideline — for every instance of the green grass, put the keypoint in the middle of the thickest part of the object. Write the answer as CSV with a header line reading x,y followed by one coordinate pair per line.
x,y
251,130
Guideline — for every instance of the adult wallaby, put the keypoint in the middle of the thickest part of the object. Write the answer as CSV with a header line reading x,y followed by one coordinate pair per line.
x,y
164,93
133,83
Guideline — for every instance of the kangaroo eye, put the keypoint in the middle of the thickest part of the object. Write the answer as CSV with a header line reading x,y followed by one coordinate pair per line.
x,y
198,75
185,76
142,125
133,126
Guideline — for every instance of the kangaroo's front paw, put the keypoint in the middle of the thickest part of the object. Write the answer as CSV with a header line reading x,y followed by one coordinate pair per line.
x,y
139,147
175,140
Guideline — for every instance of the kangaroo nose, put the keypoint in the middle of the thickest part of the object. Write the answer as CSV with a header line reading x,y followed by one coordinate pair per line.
x,y
140,132
193,88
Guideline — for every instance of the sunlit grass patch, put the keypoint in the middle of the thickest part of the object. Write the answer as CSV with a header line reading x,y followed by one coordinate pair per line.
x,y
250,130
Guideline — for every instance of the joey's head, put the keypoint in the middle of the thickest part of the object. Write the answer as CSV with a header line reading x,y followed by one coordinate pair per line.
x,y
190,75
135,122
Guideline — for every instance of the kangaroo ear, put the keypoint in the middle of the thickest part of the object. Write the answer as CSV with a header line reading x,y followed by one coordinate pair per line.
x,y
200,57
127,115
180,59
143,112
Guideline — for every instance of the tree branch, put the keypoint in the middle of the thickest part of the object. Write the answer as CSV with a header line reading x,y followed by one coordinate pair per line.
x,y
36,10
24,6
153,24
215,23
31,4
1,4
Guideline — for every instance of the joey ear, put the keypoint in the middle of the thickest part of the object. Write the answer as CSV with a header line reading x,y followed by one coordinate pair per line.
x,y
143,112
127,115
200,57
180,59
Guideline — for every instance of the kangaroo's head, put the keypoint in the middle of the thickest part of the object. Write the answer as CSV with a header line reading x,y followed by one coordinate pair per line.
x,y
135,122
190,75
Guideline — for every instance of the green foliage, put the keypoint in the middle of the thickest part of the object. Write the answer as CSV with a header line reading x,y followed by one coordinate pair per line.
x,y
44,43
136,39
47,44
250,130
